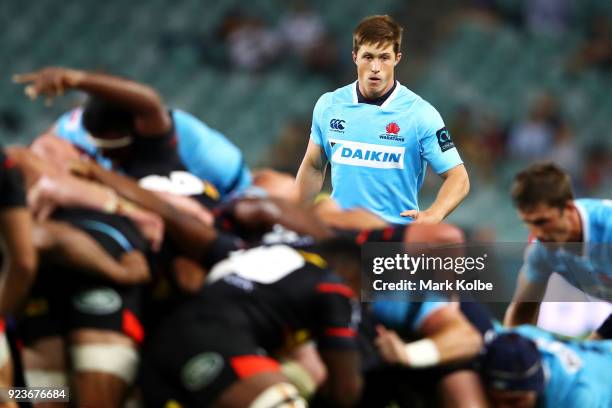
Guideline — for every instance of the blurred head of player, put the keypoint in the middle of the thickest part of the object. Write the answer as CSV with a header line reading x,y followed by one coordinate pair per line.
x,y
376,52
111,128
512,371
542,193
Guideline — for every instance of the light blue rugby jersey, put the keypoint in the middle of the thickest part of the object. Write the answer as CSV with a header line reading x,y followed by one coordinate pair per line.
x,y
590,271
577,373
204,151
379,154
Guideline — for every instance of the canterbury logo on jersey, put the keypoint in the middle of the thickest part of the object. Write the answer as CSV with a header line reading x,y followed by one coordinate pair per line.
x,y
367,154
337,124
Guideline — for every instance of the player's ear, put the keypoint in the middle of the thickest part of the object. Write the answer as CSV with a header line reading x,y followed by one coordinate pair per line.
x,y
398,57
354,57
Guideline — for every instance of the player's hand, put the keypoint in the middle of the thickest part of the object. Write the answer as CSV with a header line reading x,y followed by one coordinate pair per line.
x,y
422,217
136,269
391,347
50,81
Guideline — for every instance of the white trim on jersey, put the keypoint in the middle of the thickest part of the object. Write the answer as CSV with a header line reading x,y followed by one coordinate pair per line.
x,y
354,90
392,96
586,230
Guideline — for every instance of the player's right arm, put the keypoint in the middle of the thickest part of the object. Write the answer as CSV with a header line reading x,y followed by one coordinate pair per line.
x,y
21,259
151,116
311,173
525,304
21,263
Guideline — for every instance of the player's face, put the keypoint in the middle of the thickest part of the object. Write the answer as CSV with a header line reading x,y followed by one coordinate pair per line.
x,y
375,68
546,223
513,399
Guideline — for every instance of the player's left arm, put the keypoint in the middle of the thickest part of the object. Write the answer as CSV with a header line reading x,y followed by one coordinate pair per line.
x,y
439,151
453,190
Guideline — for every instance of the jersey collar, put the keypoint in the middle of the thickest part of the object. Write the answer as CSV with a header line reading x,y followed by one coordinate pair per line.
x,y
381,102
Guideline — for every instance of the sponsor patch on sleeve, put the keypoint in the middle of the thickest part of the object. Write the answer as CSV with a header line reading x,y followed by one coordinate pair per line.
x,y
444,139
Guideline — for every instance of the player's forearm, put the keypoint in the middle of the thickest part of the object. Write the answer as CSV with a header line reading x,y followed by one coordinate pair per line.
x,y
521,313
309,181
452,192
457,341
268,212
21,259
15,283
136,97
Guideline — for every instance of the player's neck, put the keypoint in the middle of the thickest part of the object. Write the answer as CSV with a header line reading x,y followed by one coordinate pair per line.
x,y
376,101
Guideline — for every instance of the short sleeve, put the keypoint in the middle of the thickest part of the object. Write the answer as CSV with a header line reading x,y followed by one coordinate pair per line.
x,y
317,127
437,147
536,268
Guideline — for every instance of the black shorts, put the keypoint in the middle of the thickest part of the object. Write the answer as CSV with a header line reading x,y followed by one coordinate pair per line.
x,y
63,300
194,356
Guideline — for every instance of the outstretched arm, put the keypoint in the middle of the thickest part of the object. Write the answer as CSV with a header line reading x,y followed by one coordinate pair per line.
x,y
151,117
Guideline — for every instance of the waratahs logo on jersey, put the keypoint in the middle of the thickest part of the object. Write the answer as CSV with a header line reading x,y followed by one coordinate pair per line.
x,y
367,154
392,130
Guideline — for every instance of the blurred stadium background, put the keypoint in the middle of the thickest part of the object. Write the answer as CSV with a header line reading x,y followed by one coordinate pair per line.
x,y
515,80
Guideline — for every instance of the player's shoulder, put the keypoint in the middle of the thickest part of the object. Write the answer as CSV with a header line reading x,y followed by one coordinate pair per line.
x,y
598,214
342,95
595,205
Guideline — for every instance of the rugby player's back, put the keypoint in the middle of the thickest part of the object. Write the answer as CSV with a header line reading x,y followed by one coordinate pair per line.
x,y
282,296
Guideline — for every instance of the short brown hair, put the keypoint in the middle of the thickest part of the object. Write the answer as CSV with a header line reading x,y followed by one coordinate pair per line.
x,y
542,183
378,30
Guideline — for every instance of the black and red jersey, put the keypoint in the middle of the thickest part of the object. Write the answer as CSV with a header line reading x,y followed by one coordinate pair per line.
x,y
282,296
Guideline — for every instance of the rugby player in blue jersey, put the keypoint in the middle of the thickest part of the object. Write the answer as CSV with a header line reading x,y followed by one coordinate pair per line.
x,y
528,367
379,137
120,113
573,238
